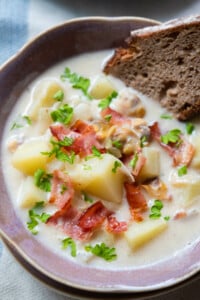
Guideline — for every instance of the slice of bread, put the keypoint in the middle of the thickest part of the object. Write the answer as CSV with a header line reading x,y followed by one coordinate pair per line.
x,y
163,62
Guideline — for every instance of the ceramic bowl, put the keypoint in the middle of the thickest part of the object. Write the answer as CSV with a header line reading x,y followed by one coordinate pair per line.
x,y
71,38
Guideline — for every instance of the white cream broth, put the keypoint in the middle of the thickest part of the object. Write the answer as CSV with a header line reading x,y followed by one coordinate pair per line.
x,y
183,224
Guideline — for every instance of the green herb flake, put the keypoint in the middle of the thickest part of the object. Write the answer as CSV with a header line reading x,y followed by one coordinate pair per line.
x,y
16,126
156,209
69,242
59,95
172,136
117,165
103,251
167,218
63,114
108,117
96,152
63,188
143,141
42,180
27,119
78,82
134,160
189,127
117,144
182,171
166,116
87,167
104,103
59,153
87,198
35,217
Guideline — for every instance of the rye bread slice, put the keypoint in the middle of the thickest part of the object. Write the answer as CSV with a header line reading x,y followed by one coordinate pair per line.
x,y
163,62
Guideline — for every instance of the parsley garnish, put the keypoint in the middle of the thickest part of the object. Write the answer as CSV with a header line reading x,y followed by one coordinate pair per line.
x,y
21,124
117,144
104,103
87,199
78,82
43,180
117,164
167,218
63,114
102,251
108,117
59,95
172,136
57,151
134,161
166,116
35,217
69,242
189,128
143,141
156,209
96,152
182,171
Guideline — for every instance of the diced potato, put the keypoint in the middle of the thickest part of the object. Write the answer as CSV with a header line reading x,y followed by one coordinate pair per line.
x,y
44,120
43,96
196,159
96,176
151,168
30,194
28,157
138,234
101,88
191,193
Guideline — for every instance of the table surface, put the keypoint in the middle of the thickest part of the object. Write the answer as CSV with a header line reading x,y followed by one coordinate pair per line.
x,y
15,282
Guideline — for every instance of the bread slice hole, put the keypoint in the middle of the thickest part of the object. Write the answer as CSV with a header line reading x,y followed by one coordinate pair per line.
x,y
167,86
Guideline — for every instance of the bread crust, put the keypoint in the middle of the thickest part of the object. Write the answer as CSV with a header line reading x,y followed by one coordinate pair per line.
x,y
163,62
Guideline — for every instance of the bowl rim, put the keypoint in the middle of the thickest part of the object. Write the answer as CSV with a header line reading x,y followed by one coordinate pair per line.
x,y
119,289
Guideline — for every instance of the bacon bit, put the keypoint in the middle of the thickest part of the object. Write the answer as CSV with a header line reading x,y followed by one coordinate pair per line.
x,y
83,135
136,200
116,118
62,191
157,189
182,155
141,159
115,226
180,214
94,216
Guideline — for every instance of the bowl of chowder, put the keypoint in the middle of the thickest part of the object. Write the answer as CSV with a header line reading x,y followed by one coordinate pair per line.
x,y
99,184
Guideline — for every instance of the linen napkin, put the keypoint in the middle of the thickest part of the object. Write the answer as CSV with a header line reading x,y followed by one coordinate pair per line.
x,y
21,20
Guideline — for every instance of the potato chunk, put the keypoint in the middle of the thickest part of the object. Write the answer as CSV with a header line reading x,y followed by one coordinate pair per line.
x,y
98,177
191,193
43,96
28,158
30,194
101,88
138,234
151,168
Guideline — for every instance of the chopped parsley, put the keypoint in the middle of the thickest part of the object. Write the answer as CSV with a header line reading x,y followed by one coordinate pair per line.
x,y
108,117
156,209
143,141
167,218
63,188
189,128
35,217
20,123
104,103
172,136
87,198
182,171
59,95
117,165
96,152
42,180
63,114
166,116
87,167
117,144
69,242
78,82
103,251
134,161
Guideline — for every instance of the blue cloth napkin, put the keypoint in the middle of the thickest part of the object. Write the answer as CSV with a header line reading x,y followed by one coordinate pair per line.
x,y
21,20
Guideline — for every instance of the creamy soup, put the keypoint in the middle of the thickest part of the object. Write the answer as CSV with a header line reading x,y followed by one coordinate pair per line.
x,y
99,173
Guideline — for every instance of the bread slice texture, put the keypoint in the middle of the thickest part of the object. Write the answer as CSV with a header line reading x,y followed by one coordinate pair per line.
x,y
163,62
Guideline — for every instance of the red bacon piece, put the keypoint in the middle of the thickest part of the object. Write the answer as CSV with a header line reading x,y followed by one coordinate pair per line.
x,y
136,200
182,155
116,118
115,226
141,159
83,135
